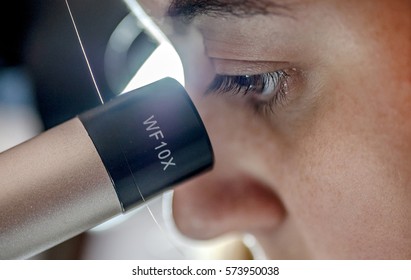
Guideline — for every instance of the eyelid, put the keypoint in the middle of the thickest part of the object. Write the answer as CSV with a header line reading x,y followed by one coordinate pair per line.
x,y
229,67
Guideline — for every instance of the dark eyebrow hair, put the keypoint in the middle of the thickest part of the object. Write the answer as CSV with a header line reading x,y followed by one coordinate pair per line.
x,y
187,10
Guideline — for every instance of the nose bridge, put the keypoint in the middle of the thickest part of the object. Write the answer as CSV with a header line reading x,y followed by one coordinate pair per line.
x,y
242,140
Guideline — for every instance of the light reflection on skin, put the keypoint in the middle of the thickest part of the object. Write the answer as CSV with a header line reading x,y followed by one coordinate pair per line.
x,y
328,174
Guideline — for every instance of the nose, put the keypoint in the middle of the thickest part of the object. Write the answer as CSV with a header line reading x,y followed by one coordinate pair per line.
x,y
219,203
239,194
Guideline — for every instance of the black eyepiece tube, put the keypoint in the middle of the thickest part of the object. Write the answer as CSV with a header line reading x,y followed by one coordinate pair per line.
x,y
98,165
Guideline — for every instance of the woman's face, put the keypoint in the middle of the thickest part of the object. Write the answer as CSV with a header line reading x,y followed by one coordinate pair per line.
x,y
308,107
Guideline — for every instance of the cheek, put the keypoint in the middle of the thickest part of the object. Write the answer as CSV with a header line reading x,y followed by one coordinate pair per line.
x,y
350,191
350,185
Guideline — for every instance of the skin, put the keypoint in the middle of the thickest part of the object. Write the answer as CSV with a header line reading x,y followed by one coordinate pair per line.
x,y
327,173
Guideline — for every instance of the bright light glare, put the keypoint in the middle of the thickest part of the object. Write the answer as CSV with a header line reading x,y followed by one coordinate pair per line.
x,y
163,62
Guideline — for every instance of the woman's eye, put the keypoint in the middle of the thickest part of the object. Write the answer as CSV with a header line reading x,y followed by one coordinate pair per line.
x,y
269,89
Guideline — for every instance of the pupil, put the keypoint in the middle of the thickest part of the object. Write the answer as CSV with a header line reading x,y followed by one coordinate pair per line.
x,y
246,81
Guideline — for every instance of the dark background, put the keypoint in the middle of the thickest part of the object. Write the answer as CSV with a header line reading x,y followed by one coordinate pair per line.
x,y
39,40
38,36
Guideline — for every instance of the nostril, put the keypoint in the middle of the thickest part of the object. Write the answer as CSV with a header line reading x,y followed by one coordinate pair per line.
x,y
213,205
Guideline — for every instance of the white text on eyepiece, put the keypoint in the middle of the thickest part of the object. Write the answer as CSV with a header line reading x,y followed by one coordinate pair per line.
x,y
163,153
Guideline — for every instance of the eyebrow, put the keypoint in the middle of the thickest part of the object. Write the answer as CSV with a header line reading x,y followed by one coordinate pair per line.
x,y
187,10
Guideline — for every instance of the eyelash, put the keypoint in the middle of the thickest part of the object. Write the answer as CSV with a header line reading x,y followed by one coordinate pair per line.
x,y
275,85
